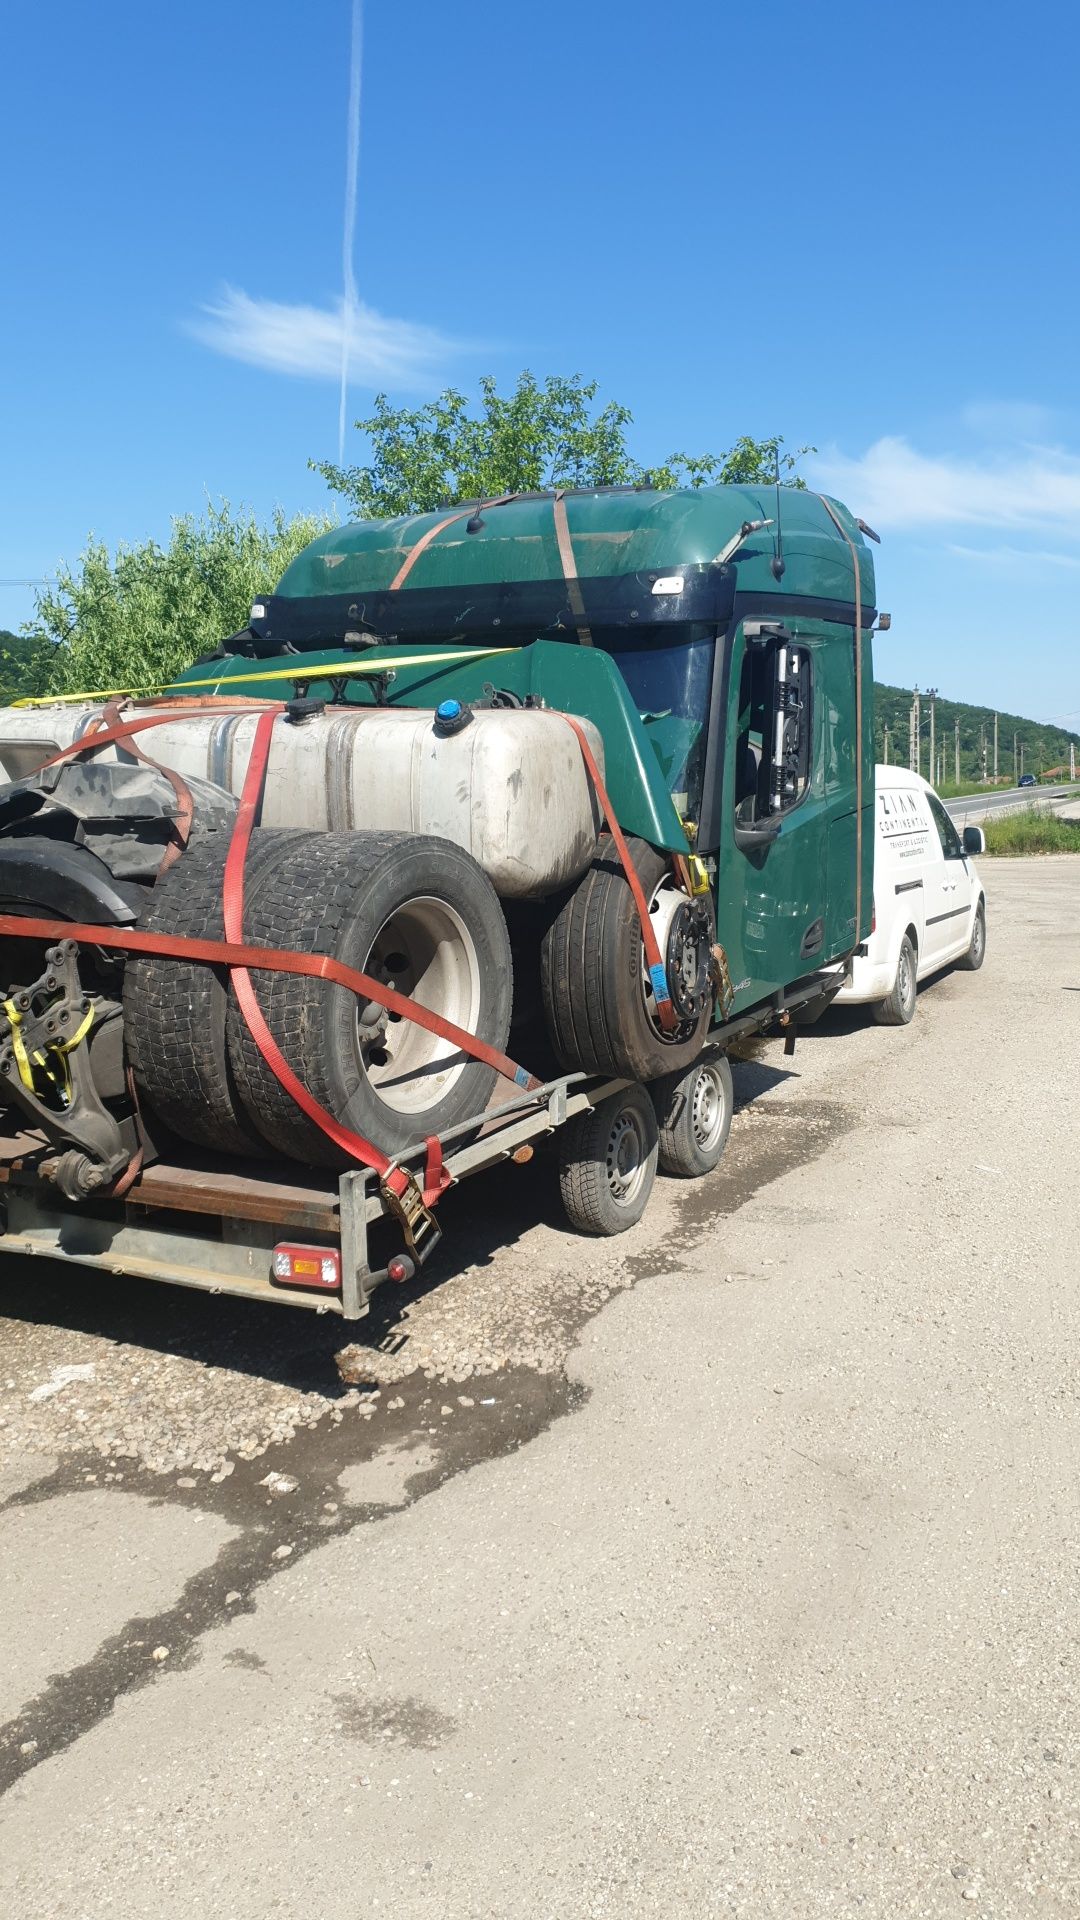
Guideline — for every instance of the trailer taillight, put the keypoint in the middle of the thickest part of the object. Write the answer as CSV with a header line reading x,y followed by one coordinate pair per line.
x,y
307,1267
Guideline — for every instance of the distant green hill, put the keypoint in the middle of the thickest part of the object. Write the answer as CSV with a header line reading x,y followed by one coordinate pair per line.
x,y
1044,746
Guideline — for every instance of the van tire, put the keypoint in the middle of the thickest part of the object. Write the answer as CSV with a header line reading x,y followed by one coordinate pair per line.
x,y
607,1162
976,952
175,1011
348,895
593,980
898,1007
693,1111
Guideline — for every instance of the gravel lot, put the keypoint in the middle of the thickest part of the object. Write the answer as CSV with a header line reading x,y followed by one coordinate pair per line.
x,y
753,1593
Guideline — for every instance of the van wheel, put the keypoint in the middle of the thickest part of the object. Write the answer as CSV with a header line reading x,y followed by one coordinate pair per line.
x,y
976,952
693,1110
899,1006
607,1162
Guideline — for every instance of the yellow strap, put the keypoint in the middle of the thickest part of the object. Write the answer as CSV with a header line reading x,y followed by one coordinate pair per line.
x,y
18,1046
59,1047
295,672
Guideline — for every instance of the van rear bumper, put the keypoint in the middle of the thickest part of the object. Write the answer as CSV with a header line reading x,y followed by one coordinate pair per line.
x,y
870,980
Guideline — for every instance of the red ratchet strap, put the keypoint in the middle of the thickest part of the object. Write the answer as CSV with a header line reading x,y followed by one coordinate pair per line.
x,y
657,969
396,1179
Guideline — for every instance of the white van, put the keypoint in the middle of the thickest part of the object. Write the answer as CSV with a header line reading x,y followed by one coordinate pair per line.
x,y
929,903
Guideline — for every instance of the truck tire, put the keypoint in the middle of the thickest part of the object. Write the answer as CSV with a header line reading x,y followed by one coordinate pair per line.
x,y
414,911
898,1006
607,1162
175,1010
693,1111
597,993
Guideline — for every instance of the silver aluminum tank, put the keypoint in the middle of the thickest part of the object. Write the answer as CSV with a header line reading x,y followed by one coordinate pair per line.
x,y
510,787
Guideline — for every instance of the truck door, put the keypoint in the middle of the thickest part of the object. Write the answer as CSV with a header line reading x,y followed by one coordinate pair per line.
x,y
772,868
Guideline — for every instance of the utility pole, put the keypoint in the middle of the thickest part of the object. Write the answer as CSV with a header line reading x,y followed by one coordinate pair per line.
x,y
911,736
1021,759
918,733
995,749
1072,761
1015,772
982,752
931,694
956,740
886,744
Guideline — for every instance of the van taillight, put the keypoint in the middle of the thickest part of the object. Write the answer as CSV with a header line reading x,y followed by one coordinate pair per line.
x,y
873,918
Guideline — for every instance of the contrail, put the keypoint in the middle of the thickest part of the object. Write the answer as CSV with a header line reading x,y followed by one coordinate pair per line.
x,y
350,297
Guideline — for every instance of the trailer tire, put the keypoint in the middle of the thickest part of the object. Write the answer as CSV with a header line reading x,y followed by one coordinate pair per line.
x,y
413,910
175,1011
607,1162
597,993
693,1111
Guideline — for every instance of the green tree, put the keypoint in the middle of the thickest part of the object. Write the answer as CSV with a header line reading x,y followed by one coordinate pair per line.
x,y
543,434
25,662
137,617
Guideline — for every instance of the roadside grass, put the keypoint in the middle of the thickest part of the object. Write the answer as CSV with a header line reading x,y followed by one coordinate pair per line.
x,y
1034,830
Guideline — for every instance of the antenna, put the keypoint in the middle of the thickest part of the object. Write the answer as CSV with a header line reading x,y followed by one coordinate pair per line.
x,y
776,564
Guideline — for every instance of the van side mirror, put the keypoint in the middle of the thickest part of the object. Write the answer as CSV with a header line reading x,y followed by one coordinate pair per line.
x,y
974,840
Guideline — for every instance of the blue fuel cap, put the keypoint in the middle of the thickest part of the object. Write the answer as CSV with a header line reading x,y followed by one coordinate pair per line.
x,y
448,709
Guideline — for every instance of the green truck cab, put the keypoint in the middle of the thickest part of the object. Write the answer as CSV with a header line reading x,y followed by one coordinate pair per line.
x,y
718,637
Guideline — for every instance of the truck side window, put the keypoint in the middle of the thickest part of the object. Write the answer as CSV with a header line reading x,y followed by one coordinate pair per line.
x,y
951,844
773,759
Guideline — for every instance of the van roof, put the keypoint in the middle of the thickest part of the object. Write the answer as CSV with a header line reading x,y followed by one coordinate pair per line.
x,y
900,779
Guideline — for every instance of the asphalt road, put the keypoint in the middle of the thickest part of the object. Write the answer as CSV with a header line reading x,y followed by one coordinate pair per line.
x,y
968,805
729,1569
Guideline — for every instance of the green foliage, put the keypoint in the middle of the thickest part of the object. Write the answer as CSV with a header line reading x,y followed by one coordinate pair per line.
x,y
25,662
540,435
1044,746
136,617
1032,830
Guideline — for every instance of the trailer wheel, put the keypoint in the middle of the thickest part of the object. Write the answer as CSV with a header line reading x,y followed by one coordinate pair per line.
x,y
175,1010
607,1162
598,996
693,1110
413,911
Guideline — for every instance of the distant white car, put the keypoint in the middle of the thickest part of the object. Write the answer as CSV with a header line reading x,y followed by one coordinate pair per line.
x,y
929,902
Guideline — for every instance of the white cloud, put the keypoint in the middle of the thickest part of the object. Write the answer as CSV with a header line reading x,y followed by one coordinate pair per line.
x,y
1015,556
307,340
894,485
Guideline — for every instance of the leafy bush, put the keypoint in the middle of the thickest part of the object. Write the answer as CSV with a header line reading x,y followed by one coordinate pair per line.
x,y
1032,830
137,617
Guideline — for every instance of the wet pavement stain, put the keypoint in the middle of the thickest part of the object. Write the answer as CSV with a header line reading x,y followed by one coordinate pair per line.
x,y
332,1461
276,1533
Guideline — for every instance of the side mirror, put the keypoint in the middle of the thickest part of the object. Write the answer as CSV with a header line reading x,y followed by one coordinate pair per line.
x,y
752,837
974,840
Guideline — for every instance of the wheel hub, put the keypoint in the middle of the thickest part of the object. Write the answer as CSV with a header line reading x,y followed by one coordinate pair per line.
x,y
683,929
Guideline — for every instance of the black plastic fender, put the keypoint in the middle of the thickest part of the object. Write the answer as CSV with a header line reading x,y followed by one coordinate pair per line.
x,y
39,875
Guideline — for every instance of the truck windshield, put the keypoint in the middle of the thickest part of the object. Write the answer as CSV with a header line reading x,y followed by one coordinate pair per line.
x,y
669,685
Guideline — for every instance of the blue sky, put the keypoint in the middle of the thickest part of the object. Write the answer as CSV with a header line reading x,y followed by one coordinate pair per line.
x,y
854,225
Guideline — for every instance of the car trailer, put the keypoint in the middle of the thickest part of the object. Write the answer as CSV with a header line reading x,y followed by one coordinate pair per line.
x,y
270,1231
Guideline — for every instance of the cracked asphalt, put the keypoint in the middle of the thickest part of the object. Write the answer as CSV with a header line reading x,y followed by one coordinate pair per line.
x,y
726,1568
